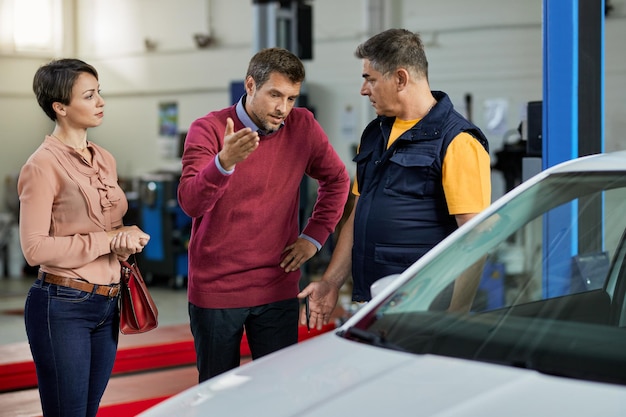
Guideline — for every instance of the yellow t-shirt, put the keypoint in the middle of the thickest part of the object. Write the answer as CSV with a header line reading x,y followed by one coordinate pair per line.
x,y
466,171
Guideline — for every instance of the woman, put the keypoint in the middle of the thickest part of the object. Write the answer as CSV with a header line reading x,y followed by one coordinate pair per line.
x,y
71,210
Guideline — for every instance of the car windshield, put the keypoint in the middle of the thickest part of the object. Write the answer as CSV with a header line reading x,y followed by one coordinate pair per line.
x,y
538,284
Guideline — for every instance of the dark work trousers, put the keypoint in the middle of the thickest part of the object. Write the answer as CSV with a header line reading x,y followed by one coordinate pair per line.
x,y
217,333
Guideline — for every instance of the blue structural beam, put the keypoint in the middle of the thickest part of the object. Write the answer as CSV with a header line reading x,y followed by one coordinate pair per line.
x,y
560,81
560,132
573,36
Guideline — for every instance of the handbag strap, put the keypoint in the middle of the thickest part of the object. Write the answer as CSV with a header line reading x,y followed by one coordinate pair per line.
x,y
128,265
131,261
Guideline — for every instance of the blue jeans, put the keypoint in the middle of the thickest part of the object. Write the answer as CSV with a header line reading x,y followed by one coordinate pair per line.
x,y
217,333
73,338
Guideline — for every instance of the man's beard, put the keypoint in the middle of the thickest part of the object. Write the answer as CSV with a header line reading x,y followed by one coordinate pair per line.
x,y
267,128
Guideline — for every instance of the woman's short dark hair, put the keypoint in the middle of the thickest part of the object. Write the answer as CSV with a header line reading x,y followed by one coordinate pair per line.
x,y
393,49
54,82
280,60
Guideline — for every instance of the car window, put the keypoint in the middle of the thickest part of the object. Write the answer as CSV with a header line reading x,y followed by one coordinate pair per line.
x,y
539,283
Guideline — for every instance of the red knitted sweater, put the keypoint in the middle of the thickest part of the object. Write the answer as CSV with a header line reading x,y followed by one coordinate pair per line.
x,y
243,221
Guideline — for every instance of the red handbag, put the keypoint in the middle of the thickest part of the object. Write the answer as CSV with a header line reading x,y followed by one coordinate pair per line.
x,y
138,312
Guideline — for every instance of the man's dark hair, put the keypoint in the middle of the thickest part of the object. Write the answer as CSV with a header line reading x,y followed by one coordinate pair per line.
x,y
393,49
53,82
280,60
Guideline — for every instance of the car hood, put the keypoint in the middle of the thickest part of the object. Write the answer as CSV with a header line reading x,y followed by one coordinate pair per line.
x,y
330,376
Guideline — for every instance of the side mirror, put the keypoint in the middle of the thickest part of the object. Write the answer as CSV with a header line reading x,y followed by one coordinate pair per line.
x,y
378,286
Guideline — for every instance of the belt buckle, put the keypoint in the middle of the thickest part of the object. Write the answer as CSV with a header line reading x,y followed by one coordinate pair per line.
x,y
111,289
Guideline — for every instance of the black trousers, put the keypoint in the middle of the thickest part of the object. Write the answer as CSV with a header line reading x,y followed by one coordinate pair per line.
x,y
217,333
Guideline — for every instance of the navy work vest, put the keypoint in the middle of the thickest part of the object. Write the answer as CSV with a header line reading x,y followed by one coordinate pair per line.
x,y
402,211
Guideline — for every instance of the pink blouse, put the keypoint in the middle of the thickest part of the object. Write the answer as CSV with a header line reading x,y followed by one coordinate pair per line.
x,y
66,207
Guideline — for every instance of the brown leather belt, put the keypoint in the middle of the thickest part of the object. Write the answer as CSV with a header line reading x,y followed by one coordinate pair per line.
x,y
106,290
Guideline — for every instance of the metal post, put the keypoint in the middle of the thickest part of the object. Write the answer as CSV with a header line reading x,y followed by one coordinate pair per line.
x,y
572,91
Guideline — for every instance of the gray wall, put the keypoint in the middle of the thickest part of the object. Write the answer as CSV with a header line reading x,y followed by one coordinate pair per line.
x,y
491,49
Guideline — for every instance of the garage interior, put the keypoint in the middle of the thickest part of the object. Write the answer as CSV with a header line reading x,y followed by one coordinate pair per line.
x,y
505,64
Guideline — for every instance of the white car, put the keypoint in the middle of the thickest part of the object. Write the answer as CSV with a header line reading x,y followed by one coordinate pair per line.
x,y
520,312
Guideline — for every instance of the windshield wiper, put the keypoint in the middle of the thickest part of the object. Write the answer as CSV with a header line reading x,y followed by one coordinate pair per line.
x,y
374,339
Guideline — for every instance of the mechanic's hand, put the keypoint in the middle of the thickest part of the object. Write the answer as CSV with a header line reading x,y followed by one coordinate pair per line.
x,y
296,254
237,145
323,296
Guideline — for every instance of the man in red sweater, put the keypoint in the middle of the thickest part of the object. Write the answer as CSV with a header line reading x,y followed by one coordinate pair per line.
x,y
242,169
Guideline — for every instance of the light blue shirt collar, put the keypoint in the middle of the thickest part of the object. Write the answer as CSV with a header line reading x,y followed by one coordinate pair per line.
x,y
243,116
246,120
